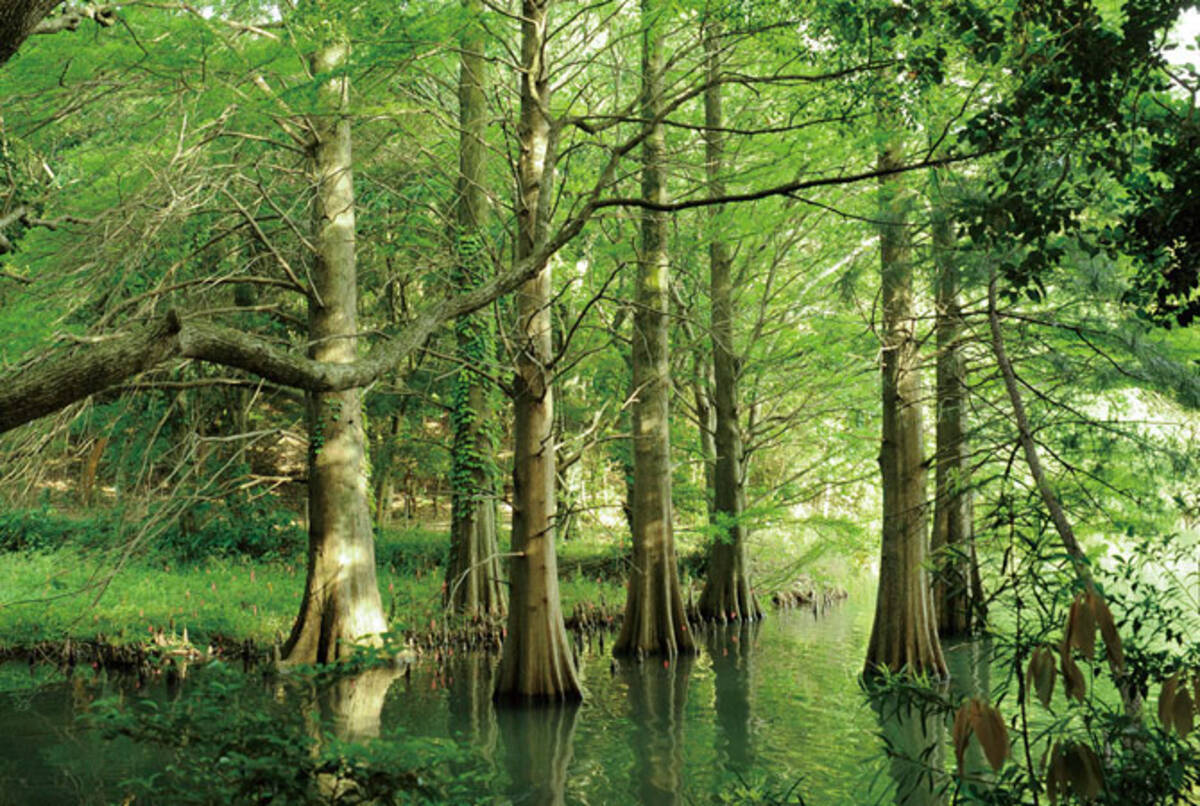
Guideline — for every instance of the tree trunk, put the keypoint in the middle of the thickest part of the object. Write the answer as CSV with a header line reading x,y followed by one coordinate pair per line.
x,y
473,584
341,605
536,662
19,19
953,542
727,593
655,620
904,635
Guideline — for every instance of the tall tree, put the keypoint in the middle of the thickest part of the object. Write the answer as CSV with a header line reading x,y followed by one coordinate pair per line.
x,y
956,584
727,593
655,620
473,584
341,605
536,662
904,635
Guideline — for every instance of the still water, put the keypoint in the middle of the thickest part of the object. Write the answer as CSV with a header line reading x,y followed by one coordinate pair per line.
x,y
775,705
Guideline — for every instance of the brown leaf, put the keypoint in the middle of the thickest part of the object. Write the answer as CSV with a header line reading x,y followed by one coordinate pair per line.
x,y
1184,712
988,724
1081,623
1108,631
1073,682
1166,701
1040,675
1084,771
1056,774
961,731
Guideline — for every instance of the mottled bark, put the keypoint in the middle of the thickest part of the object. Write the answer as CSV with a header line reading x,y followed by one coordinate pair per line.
x,y
18,20
904,635
953,540
341,607
536,662
655,622
727,594
473,584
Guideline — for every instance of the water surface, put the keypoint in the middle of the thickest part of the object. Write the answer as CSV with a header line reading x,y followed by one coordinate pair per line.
x,y
776,705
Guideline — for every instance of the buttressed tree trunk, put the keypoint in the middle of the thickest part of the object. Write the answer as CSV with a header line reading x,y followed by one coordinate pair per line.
x,y
536,662
473,584
953,541
727,594
341,605
655,620
904,635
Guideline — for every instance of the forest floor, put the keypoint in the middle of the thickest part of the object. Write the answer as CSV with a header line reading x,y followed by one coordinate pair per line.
x,y
67,593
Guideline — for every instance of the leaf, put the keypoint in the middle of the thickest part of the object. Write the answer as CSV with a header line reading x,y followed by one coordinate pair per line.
x,y
961,731
1108,631
1166,701
1084,771
1081,627
1056,774
1073,682
1184,713
988,724
1040,675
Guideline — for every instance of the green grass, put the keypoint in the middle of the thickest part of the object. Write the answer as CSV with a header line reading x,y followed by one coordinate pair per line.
x,y
63,583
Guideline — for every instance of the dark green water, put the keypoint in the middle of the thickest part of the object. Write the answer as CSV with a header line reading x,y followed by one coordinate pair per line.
x,y
775,705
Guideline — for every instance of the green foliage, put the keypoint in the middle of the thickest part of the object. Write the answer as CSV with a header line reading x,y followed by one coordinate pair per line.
x,y
44,529
237,527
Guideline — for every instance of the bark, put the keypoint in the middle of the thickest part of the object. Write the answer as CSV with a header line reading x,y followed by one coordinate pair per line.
x,y
536,662
18,20
655,621
473,583
341,607
904,635
727,593
953,541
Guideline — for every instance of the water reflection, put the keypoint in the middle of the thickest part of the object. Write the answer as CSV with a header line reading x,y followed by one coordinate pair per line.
x,y
916,731
914,737
353,704
969,663
539,742
731,649
657,693
471,717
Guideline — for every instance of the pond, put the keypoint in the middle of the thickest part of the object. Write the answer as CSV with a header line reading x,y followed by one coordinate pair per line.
x,y
776,705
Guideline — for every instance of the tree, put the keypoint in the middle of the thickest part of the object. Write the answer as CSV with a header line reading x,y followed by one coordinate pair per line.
x,y
727,593
957,595
904,634
536,662
473,583
341,605
655,621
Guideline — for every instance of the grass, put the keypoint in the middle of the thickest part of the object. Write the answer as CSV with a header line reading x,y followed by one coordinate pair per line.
x,y
70,592
58,583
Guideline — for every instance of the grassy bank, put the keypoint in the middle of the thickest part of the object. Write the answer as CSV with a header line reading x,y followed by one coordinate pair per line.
x,y
73,580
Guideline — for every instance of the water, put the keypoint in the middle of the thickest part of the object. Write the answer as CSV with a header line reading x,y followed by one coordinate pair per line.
x,y
775,706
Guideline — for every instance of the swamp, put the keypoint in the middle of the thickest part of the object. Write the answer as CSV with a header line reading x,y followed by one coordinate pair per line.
x,y
600,402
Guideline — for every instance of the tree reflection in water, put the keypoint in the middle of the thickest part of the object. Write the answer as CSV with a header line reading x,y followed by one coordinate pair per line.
x,y
657,692
731,650
916,730
538,743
